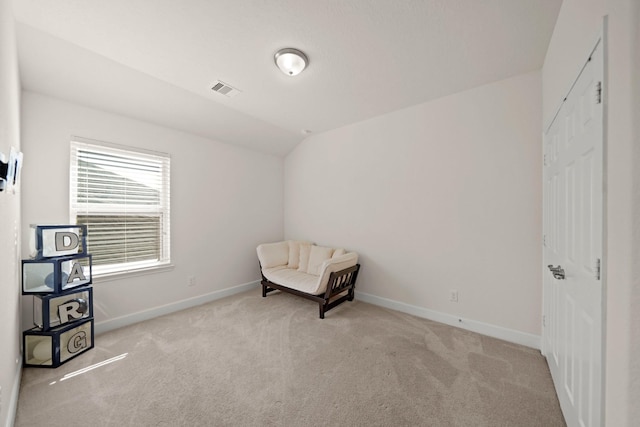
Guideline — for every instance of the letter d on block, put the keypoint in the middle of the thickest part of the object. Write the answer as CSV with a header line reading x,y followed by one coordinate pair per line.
x,y
66,241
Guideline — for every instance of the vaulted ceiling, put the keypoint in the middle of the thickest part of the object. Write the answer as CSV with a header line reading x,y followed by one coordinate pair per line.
x,y
156,60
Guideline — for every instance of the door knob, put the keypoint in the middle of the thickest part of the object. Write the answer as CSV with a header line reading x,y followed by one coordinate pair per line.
x,y
558,272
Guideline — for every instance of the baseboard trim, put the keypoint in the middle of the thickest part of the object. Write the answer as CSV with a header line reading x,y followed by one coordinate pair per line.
x,y
13,401
130,319
511,335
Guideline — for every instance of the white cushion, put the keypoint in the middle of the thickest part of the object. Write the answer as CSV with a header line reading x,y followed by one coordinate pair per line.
x,y
273,254
338,252
317,256
303,264
310,283
294,253
293,279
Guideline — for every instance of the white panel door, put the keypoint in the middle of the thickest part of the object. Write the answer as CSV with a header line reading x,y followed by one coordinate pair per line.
x,y
573,227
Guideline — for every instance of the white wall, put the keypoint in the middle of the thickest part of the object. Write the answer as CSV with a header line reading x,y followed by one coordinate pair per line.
x,y
577,28
444,195
10,356
225,200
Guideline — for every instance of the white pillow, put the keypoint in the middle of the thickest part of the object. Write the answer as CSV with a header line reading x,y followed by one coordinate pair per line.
x,y
303,263
338,252
317,256
294,252
273,254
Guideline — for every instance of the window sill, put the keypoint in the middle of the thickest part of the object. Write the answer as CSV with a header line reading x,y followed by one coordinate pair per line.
x,y
108,277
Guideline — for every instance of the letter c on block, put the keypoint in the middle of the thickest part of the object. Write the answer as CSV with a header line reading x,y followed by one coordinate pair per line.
x,y
77,342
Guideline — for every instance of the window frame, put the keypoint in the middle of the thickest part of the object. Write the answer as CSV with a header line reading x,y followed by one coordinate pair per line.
x,y
162,208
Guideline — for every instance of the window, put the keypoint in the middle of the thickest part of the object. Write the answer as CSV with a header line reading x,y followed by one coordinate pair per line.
x,y
122,196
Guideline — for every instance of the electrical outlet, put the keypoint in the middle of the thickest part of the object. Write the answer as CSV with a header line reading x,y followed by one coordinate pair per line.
x,y
191,281
453,295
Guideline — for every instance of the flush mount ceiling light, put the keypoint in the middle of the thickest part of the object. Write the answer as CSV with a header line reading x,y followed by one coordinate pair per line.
x,y
291,61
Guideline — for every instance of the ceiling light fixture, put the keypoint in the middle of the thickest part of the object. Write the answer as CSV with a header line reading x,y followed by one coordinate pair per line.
x,y
291,61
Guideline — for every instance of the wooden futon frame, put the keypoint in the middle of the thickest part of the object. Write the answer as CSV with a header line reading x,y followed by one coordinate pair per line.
x,y
339,282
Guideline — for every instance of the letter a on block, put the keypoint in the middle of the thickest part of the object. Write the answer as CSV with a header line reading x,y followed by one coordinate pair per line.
x,y
76,273
65,241
69,309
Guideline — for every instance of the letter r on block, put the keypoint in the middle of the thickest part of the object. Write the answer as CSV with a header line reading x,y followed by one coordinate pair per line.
x,y
69,309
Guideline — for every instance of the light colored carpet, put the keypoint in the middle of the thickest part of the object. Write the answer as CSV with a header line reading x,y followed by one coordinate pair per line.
x,y
252,361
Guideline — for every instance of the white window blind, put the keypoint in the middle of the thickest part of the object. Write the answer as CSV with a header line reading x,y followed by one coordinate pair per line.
x,y
122,196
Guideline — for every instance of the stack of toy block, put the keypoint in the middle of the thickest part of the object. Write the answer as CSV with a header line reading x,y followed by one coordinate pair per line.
x,y
58,277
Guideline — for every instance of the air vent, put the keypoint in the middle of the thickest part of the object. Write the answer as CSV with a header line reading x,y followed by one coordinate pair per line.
x,y
225,89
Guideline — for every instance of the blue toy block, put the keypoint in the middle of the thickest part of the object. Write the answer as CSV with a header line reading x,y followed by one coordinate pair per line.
x,y
55,310
58,240
50,349
55,275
